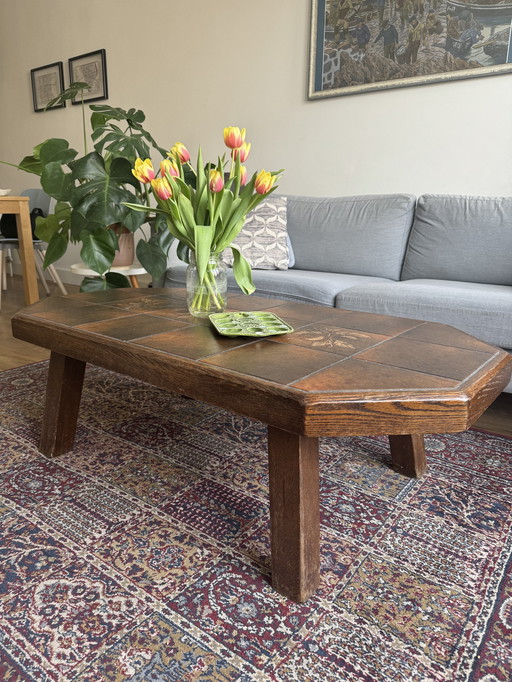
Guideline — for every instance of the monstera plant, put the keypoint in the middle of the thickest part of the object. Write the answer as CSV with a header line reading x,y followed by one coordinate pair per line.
x,y
92,190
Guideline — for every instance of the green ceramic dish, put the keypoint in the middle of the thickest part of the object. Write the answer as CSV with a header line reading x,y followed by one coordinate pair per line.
x,y
257,323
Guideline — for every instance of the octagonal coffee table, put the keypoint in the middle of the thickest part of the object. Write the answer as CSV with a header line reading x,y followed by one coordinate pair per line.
x,y
339,373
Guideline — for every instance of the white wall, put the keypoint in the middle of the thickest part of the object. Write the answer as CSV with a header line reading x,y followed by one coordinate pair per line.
x,y
196,66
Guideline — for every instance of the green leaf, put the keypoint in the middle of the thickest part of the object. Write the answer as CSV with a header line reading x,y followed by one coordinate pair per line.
x,y
183,252
242,272
56,182
115,280
112,280
56,149
47,227
93,284
57,247
31,164
69,93
202,246
186,212
98,249
59,221
100,198
130,143
152,254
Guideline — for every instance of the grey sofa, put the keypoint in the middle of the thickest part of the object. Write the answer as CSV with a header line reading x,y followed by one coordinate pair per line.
x,y
441,258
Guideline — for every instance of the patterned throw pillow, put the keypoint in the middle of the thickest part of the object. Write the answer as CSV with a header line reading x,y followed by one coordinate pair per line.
x,y
263,239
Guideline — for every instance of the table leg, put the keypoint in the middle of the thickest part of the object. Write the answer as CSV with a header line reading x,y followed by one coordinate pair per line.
x,y
408,455
26,251
294,513
63,392
134,281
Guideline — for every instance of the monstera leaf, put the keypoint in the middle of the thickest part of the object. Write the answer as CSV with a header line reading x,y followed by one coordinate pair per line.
x,y
54,150
132,142
98,199
111,280
152,253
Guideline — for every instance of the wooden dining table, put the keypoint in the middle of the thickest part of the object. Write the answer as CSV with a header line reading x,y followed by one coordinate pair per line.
x,y
19,206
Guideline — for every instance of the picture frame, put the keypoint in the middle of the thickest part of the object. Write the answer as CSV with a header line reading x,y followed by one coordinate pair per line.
x,y
90,68
369,45
47,83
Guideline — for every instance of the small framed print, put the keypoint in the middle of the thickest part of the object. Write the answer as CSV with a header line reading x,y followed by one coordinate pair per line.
x,y
90,68
47,84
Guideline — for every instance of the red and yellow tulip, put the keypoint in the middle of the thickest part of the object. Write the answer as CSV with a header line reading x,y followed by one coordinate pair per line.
x,y
144,171
264,182
161,188
216,181
180,152
169,167
241,152
234,137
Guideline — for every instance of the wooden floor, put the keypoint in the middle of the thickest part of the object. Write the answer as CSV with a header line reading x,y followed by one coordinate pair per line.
x,y
14,353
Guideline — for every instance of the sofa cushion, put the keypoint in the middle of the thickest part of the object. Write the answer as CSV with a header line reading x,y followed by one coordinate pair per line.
x,y
462,238
359,235
295,285
263,240
483,310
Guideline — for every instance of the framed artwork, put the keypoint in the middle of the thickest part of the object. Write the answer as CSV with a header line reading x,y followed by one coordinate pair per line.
x,y
366,45
47,83
90,68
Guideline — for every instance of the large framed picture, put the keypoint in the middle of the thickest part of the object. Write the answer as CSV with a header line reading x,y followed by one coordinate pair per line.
x,y
366,45
90,68
47,83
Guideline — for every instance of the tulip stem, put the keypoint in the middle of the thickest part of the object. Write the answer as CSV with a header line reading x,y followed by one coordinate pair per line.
x,y
206,297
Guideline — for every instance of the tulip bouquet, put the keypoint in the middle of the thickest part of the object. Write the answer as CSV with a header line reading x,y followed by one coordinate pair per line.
x,y
206,207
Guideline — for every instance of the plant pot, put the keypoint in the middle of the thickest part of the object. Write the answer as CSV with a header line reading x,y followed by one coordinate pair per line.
x,y
125,255
210,295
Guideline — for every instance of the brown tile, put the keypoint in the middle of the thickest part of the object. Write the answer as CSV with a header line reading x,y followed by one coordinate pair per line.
x,y
192,342
171,292
355,375
133,326
252,302
81,314
180,312
380,324
144,304
109,295
331,339
444,361
336,316
274,361
304,312
433,332
57,303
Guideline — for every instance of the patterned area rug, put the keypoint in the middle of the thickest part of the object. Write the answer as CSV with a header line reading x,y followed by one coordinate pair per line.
x,y
143,555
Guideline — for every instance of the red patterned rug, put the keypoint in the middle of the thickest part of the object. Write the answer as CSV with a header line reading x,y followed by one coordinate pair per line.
x,y
143,555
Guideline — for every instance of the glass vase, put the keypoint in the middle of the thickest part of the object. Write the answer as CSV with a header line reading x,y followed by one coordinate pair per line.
x,y
210,295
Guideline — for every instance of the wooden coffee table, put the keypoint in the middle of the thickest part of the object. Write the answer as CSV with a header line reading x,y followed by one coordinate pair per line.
x,y
340,373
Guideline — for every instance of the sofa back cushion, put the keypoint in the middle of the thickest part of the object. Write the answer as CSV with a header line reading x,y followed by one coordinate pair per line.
x,y
461,238
359,235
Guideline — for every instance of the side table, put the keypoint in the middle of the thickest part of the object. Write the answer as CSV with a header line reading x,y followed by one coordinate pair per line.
x,y
130,271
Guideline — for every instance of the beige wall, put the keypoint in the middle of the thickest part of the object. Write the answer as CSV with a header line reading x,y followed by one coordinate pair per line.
x,y
195,66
